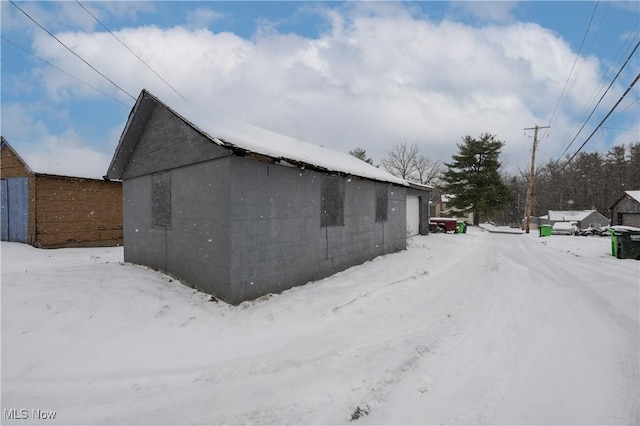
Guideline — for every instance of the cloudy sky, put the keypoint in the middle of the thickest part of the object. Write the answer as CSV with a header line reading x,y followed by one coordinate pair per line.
x,y
342,75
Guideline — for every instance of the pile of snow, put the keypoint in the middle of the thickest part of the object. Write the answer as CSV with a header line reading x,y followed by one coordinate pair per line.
x,y
500,229
475,328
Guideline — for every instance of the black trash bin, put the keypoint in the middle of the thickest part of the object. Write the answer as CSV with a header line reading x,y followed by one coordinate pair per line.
x,y
628,242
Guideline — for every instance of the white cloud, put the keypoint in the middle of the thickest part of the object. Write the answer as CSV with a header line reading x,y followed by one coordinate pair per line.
x,y
62,152
202,17
66,154
488,11
379,75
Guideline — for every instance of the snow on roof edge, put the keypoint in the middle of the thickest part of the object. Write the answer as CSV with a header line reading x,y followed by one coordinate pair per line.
x,y
565,215
634,194
230,132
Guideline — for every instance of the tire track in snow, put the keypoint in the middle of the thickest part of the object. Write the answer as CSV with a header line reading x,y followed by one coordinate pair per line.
x,y
418,377
572,278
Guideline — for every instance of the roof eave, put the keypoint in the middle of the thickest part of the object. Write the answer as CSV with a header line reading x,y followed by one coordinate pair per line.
x,y
129,137
3,142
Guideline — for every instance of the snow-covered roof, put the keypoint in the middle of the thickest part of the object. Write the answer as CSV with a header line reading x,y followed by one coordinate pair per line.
x,y
569,215
634,194
231,133
625,228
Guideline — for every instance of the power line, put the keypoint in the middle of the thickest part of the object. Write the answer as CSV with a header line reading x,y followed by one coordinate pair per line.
x,y
63,71
603,120
622,51
70,50
566,83
600,100
132,52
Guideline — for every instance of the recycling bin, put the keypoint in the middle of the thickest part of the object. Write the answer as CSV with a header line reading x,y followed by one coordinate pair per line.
x,y
614,243
628,243
545,230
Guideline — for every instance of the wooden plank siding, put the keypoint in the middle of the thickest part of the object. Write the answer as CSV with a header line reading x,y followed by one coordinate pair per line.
x,y
67,211
76,211
12,166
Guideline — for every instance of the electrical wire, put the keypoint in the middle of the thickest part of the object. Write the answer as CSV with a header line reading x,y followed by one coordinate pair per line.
x,y
603,120
132,52
63,71
619,57
70,50
600,100
575,61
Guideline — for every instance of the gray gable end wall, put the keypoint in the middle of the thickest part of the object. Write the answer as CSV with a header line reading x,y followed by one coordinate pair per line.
x,y
168,142
626,211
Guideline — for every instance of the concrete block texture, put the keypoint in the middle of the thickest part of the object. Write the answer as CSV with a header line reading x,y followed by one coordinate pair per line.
x,y
277,241
240,228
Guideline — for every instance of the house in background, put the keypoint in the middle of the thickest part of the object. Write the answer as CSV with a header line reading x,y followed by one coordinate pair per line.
x,y
626,210
240,212
49,211
583,219
442,208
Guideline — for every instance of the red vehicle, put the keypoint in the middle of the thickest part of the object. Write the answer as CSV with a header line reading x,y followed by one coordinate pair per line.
x,y
444,224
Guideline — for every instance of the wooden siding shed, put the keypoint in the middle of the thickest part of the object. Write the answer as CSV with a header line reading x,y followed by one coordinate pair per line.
x,y
626,209
50,211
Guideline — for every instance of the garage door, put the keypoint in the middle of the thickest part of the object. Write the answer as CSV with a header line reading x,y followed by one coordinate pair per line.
x,y
631,219
14,209
413,215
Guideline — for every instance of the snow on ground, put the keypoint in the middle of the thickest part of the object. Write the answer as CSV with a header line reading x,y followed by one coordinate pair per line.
x,y
476,328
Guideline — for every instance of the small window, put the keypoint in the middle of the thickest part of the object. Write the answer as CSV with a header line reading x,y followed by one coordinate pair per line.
x,y
161,200
382,202
332,201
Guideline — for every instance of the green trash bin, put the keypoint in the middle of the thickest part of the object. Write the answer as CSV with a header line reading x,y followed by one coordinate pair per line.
x,y
614,243
460,227
628,243
545,230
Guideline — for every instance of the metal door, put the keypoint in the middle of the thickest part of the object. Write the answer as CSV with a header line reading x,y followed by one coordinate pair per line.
x,y
14,209
413,215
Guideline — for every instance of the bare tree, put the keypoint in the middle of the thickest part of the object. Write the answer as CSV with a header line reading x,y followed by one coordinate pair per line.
x,y
408,163
428,172
401,161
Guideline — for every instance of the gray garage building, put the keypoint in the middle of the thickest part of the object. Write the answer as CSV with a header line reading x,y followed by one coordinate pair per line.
x,y
626,209
247,212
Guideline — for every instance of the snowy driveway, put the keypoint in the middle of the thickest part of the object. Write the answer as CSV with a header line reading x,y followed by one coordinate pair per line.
x,y
459,329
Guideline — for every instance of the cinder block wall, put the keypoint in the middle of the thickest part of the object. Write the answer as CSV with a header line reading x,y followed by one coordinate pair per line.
x,y
76,212
277,240
194,247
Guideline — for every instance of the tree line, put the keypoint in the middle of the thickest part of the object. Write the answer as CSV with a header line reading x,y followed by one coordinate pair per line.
x,y
591,181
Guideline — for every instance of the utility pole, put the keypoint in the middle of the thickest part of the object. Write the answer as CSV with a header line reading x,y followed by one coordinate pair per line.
x,y
529,205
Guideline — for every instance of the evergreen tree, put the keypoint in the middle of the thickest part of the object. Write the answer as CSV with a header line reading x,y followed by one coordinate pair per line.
x,y
361,154
474,178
